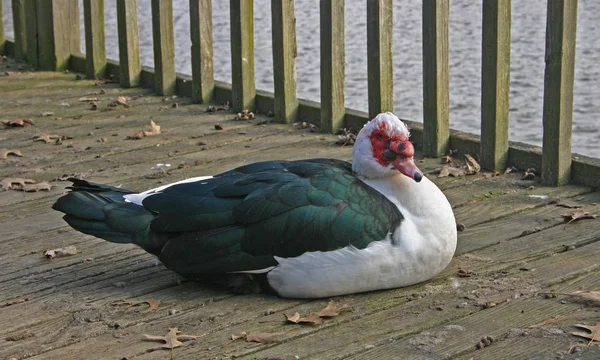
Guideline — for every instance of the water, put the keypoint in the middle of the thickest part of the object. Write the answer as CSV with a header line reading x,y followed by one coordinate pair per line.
x,y
527,59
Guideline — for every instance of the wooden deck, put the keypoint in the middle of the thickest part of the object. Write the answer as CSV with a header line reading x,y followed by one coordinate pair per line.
x,y
515,246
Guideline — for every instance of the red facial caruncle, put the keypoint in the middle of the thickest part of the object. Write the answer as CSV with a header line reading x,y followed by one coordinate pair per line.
x,y
396,151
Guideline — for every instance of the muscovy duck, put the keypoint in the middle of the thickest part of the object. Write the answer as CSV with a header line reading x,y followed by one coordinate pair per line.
x,y
305,229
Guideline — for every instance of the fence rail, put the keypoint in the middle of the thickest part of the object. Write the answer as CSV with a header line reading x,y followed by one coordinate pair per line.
x,y
47,36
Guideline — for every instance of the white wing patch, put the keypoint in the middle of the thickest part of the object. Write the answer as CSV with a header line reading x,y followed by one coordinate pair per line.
x,y
138,198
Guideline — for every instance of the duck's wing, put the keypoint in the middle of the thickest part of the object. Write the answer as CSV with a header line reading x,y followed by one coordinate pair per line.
x,y
241,219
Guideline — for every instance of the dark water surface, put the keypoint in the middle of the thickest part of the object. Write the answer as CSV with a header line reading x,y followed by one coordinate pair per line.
x,y
527,59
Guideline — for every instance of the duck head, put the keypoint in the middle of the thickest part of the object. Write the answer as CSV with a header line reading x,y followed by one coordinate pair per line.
x,y
382,148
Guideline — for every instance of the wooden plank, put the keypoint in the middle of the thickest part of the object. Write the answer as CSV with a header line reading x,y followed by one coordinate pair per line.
x,y
561,29
2,38
130,67
284,60
436,98
332,65
95,48
58,33
243,90
164,47
495,82
379,56
32,33
19,29
203,80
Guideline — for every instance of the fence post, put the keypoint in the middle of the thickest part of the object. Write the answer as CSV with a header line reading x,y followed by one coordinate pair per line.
x,y
561,28
130,67
32,33
436,99
19,29
243,90
164,47
2,38
379,56
332,65
58,33
495,82
203,78
95,48
284,60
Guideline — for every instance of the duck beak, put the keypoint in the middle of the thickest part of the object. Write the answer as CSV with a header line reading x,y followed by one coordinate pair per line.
x,y
408,168
404,161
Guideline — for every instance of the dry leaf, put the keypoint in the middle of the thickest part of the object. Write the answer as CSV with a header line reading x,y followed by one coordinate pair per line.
x,y
20,122
13,183
578,214
5,152
154,129
67,250
213,108
120,100
593,335
312,318
448,170
171,340
262,338
152,303
47,138
88,99
332,309
34,187
245,115
46,113
218,127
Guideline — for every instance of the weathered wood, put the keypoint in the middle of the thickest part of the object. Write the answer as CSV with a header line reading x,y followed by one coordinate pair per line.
x,y
561,29
243,90
32,33
332,65
436,98
379,56
495,82
2,38
19,29
203,81
95,48
58,33
284,60
130,67
164,47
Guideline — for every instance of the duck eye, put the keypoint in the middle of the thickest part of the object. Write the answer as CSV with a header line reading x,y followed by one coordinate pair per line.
x,y
380,136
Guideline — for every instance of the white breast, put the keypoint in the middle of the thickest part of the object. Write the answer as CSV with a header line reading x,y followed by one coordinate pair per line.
x,y
420,248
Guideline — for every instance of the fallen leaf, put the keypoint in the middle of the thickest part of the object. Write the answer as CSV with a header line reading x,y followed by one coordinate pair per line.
x,y
120,100
152,303
218,127
5,152
215,108
593,335
258,337
11,183
312,318
88,99
245,115
448,170
171,340
20,122
46,113
473,166
332,309
578,214
34,187
66,251
346,136
528,176
47,138
464,273
152,129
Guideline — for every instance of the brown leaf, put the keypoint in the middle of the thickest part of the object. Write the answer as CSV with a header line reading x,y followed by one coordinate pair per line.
x,y
152,303
66,251
213,108
47,138
473,166
88,99
171,340
332,309
13,183
5,152
578,214
263,338
312,318
593,335
35,187
153,129
452,171
218,127
20,122
258,337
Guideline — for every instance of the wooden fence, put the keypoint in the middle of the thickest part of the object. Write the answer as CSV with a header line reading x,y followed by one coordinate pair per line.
x,y
47,36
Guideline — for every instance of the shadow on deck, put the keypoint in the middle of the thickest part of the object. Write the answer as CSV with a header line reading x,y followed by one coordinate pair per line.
x,y
515,246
